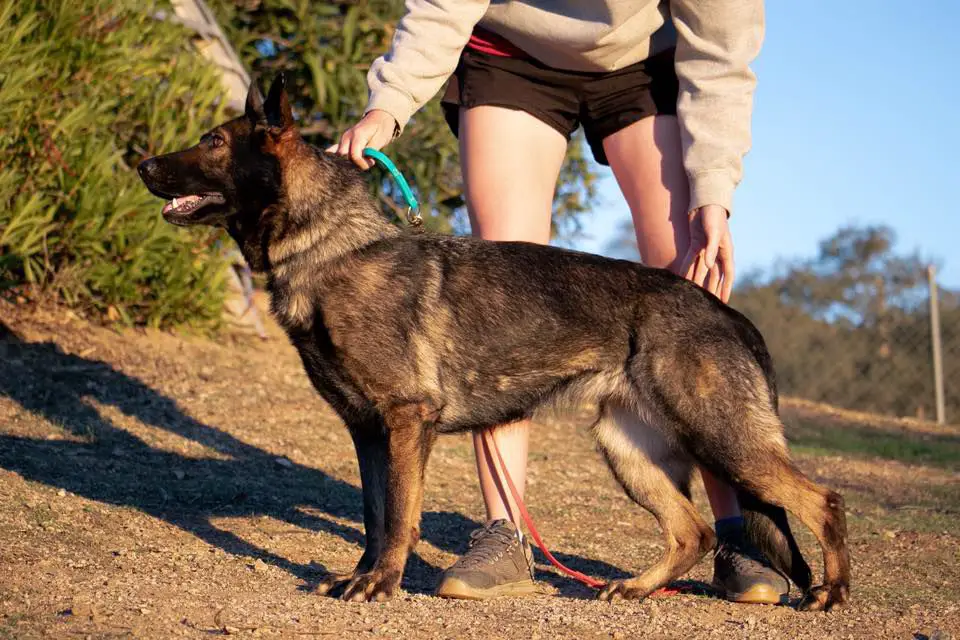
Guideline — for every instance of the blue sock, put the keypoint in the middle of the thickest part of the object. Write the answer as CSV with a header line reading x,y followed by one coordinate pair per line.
x,y
729,528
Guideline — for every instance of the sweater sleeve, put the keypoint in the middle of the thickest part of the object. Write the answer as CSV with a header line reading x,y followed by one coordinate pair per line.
x,y
717,40
425,50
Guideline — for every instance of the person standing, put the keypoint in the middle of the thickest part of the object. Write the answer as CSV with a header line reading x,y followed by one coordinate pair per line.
x,y
664,91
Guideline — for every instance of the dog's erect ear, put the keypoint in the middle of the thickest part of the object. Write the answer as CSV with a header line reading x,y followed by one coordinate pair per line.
x,y
254,107
277,106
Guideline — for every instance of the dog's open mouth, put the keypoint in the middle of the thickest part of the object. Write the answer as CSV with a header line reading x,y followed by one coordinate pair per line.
x,y
188,204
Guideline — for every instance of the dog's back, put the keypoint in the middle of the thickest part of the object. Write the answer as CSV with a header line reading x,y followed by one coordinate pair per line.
x,y
469,323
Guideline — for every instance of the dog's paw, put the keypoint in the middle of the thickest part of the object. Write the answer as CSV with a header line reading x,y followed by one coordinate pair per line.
x,y
622,590
374,586
824,598
334,582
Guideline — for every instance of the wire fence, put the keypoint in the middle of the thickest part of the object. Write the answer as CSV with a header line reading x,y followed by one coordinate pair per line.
x,y
901,360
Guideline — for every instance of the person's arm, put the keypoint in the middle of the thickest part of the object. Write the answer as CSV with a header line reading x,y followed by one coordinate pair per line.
x,y
717,40
425,50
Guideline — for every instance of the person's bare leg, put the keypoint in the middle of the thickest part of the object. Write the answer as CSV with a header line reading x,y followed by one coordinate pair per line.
x,y
647,160
510,162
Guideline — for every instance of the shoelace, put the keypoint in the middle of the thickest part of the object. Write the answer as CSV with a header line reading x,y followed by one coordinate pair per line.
x,y
743,560
487,544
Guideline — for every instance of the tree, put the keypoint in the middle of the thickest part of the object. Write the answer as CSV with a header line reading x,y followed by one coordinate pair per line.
x,y
326,50
858,275
851,326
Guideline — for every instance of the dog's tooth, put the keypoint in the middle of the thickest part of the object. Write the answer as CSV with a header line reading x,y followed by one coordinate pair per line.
x,y
174,203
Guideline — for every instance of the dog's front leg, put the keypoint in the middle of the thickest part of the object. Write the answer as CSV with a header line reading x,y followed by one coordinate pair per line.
x,y
409,440
371,446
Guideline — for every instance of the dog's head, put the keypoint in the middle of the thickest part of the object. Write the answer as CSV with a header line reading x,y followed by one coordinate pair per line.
x,y
231,171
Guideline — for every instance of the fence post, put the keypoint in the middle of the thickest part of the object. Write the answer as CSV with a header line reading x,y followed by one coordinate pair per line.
x,y
935,344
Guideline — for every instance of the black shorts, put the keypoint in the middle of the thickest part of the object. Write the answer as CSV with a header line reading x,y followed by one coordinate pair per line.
x,y
604,103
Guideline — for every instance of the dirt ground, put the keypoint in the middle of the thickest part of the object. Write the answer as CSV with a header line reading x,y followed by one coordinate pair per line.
x,y
159,486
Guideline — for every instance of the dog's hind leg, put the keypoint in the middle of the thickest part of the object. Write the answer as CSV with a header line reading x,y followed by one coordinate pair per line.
x,y
770,475
723,405
656,475
767,527
744,444
409,439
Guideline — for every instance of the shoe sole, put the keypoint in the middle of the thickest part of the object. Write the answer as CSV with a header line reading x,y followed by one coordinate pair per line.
x,y
757,594
460,590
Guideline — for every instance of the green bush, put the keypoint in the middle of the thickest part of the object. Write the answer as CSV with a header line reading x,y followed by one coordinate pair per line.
x,y
87,89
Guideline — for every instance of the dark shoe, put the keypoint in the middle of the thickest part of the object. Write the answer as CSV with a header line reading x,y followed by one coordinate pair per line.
x,y
743,575
497,564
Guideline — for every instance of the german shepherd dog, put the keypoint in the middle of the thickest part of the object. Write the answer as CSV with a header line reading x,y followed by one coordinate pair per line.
x,y
407,335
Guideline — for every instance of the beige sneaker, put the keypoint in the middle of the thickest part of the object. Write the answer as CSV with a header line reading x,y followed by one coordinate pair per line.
x,y
743,575
497,564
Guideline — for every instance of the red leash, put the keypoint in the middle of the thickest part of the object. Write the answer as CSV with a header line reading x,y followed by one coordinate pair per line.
x,y
576,575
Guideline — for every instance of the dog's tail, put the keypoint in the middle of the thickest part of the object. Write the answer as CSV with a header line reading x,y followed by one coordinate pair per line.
x,y
768,529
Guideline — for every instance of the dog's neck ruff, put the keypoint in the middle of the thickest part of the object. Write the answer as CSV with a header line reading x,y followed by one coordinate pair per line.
x,y
324,211
324,214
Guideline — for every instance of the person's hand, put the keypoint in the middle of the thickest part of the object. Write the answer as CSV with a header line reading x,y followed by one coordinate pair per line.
x,y
375,130
709,259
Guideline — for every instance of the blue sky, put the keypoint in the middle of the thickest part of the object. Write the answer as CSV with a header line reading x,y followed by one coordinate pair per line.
x,y
855,121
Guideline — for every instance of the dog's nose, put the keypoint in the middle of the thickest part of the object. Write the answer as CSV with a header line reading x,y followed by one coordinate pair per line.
x,y
146,167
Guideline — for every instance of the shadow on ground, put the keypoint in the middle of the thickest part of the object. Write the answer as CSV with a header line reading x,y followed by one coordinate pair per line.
x,y
113,466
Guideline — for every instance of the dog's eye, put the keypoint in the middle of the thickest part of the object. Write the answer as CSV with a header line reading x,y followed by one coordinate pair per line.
x,y
212,139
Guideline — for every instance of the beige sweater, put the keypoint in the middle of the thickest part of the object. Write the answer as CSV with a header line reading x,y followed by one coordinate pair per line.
x,y
716,41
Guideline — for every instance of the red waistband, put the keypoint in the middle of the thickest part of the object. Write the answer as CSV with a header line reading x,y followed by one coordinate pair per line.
x,y
493,44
